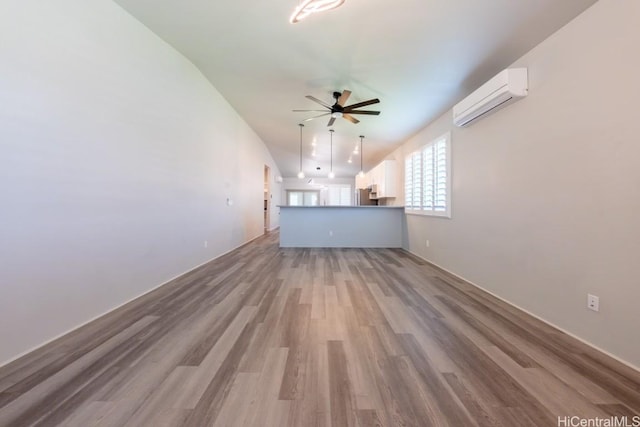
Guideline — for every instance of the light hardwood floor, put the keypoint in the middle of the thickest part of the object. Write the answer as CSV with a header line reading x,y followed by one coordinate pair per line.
x,y
265,336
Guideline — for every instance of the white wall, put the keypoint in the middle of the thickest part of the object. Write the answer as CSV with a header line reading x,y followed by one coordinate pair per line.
x,y
546,193
116,160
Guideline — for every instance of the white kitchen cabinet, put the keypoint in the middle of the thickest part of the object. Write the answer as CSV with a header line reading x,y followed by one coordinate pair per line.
x,y
384,177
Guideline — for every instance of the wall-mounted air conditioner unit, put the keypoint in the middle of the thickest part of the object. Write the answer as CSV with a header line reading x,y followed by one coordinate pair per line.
x,y
505,88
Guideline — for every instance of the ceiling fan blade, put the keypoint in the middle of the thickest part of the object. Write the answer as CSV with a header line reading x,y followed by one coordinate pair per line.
x,y
350,118
331,120
371,113
306,111
343,98
314,99
361,104
315,117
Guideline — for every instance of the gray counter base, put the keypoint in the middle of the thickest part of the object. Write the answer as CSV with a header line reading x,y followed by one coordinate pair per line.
x,y
341,227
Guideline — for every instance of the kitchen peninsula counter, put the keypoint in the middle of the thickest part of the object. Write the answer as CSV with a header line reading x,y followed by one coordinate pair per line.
x,y
341,226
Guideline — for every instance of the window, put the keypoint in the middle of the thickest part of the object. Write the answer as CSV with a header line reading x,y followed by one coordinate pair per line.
x,y
303,198
427,179
339,195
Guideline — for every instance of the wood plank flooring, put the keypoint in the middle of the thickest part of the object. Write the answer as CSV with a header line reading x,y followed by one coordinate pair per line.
x,y
265,336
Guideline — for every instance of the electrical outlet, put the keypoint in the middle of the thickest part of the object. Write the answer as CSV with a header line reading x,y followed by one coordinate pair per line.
x,y
427,243
593,302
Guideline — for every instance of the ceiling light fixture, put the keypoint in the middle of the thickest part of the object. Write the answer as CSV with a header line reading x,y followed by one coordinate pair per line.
x,y
307,7
301,174
331,174
361,173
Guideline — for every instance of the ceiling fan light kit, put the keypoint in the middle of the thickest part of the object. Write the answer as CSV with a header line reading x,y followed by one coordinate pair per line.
x,y
308,7
338,109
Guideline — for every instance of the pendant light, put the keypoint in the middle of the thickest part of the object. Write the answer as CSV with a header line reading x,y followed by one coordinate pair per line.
x,y
301,174
361,174
331,174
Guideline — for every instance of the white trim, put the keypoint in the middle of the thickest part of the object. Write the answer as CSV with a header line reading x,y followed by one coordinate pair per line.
x,y
24,353
582,340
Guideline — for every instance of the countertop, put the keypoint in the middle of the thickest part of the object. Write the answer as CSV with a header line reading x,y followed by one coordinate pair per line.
x,y
347,207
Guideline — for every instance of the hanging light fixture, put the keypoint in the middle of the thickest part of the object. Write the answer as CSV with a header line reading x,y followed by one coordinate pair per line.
x,y
301,174
361,173
307,7
331,174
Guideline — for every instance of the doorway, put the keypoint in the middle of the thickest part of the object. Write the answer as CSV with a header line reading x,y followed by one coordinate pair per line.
x,y
267,199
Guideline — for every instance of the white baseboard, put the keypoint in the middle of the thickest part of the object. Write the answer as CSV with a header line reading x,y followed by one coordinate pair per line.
x,y
582,340
24,353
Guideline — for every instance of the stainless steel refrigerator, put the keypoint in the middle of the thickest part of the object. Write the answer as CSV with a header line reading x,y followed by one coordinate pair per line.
x,y
362,198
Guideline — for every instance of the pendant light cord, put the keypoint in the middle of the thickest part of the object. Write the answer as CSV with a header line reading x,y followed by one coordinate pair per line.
x,y
331,130
301,126
361,137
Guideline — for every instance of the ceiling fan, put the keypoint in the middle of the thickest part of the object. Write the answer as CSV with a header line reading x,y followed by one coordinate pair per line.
x,y
338,109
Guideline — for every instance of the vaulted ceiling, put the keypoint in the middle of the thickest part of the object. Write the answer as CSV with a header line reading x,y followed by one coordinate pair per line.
x,y
419,57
